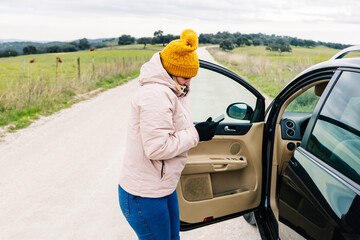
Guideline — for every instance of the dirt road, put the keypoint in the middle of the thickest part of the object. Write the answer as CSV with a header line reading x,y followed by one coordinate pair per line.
x,y
58,177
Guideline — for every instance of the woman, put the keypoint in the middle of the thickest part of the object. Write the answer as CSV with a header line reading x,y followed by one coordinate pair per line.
x,y
160,133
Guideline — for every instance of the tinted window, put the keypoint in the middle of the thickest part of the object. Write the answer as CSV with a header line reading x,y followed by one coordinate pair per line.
x,y
336,135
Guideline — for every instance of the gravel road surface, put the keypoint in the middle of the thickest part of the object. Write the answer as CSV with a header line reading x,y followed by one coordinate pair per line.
x,y
58,177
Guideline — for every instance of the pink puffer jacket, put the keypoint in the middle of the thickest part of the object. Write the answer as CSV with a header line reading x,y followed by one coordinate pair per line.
x,y
160,133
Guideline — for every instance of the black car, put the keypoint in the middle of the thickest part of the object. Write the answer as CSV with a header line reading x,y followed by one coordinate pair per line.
x,y
298,162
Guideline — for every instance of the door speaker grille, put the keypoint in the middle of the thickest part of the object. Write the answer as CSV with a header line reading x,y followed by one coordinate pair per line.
x,y
235,149
196,187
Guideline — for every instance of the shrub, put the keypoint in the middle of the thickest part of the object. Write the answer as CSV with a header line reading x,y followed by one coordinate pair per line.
x,y
9,53
53,49
84,44
227,45
68,48
30,49
126,40
279,46
144,40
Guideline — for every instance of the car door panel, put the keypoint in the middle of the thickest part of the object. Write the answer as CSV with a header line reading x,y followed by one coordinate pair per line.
x,y
222,176
319,192
313,201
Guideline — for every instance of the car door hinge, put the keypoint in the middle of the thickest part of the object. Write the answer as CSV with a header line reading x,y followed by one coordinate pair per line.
x,y
293,163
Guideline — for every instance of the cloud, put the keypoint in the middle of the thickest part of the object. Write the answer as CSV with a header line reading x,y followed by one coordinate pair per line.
x,y
141,18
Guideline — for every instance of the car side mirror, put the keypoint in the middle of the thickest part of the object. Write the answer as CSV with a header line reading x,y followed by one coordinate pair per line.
x,y
240,111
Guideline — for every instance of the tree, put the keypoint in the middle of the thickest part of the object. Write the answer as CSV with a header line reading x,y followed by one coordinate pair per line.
x,y
144,40
169,37
243,41
227,45
30,49
205,38
248,42
294,42
159,37
53,49
75,44
256,42
309,43
279,45
9,53
84,44
221,36
101,45
126,40
68,48
285,48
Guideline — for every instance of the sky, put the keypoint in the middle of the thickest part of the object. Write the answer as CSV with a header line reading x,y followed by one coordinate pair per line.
x,y
67,20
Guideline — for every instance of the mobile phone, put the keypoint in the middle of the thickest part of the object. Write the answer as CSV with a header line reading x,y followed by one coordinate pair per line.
x,y
218,119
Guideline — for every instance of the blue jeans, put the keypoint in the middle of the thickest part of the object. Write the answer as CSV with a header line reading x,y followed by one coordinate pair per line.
x,y
151,218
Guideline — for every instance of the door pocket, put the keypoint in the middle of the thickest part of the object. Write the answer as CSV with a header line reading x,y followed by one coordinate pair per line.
x,y
200,187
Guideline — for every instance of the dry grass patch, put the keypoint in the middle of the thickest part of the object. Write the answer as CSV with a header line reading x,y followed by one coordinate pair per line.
x,y
267,71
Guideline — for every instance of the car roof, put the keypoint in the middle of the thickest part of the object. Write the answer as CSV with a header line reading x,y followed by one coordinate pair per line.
x,y
337,63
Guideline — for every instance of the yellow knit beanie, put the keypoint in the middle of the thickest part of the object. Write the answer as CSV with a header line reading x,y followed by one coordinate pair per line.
x,y
179,57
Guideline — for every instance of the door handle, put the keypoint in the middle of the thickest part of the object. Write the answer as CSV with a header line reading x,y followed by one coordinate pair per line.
x,y
227,129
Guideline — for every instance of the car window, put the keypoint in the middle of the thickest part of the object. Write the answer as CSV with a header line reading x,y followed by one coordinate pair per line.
x,y
336,135
305,102
211,93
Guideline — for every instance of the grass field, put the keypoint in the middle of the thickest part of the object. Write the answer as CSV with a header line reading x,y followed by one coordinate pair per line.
x,y
268,71
45,65
26,93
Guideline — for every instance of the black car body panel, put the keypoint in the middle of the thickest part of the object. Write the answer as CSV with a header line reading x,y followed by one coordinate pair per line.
x,y
328,208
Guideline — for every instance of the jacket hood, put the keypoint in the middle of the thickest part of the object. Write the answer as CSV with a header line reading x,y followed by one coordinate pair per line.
x,y
154,72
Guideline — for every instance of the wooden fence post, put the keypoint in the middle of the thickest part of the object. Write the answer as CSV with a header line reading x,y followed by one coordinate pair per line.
x,y
93,65
78,67
57,64
23,73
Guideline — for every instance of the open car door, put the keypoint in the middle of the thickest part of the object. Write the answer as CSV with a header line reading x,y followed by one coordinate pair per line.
x,y
223,177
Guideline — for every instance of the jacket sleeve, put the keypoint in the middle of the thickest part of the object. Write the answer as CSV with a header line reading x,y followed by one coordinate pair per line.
x,y
159,138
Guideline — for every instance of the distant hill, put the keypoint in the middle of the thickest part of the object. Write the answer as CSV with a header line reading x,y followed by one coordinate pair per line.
x,y
238,39
9,40
18,45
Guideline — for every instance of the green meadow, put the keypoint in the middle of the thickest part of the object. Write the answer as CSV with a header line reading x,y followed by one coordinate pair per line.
x,y
268,71
45,64
28,90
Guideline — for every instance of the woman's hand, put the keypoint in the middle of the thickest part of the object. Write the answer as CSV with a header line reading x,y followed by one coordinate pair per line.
x,y
206,130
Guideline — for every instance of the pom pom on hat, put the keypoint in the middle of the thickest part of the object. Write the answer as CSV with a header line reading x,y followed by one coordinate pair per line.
x,y
190,37
179,57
